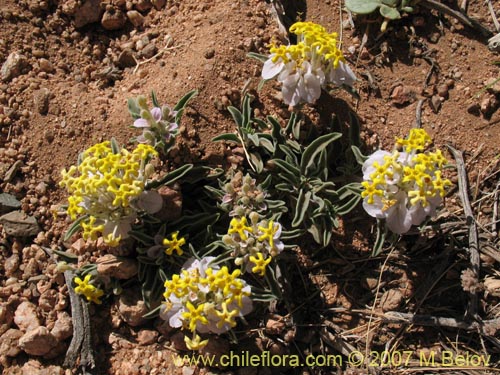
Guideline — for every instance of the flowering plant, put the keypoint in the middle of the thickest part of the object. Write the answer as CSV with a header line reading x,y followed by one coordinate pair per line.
x,y
161,123
404,187
203,298
306,67
253,243
108,189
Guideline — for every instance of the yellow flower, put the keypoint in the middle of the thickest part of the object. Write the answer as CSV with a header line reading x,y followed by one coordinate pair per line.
x,y
260,263
174,244
240,227
194,315
196,343
89,291
268,233
226,316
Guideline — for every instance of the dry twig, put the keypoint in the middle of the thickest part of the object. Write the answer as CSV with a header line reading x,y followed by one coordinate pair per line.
x,y
442,8
471,222
81,345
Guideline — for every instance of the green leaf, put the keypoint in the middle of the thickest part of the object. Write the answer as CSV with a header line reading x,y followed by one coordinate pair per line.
x,y
141,237
67,257
237,116
258,56
184,101
301,207
133,108
292,172
75,227
314,149
285,187
257,162
391,3
115,147
266,143
228,137
154,99
153,313
293,126
182,104
390,13
360,158
246,112
170,177
348,206
362,6
354,129
378,246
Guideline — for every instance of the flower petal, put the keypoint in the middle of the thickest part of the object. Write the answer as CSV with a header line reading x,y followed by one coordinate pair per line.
x,y
141,123
271,69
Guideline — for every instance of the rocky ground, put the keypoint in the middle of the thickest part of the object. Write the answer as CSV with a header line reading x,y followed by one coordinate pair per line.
x,y
68,68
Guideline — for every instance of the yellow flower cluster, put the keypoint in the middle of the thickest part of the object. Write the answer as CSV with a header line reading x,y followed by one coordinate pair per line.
x,y
404,186
313,39
89,291
103,186
205,300
419,176
255,242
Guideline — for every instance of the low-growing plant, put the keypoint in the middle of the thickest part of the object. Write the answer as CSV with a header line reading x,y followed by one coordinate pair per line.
x,y
389,9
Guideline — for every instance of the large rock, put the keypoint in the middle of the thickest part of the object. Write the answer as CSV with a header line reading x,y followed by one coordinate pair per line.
x,y
132,308
15,65
113,19
63,328
8,203
9,343
89,12
25,316
38,341
117,267
19,224
6,317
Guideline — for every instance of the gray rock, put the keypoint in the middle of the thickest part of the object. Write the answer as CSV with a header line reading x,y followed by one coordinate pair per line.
x,y
126,59
113,19
117,267
435,103
131,308
25,316
38,341
9,343
89,12
11,172
135,18
8,203
41,101
19,224
15,65
149,51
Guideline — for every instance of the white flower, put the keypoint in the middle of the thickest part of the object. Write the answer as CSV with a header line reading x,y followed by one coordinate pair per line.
x,y
342,75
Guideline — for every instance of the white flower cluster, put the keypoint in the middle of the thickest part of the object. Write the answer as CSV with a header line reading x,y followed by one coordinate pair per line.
x,y
404,187
306,67
254,243
204,298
